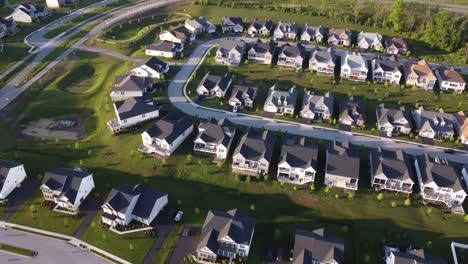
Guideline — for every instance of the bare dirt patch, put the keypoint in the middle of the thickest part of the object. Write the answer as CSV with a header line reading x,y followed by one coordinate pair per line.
x,y
60,128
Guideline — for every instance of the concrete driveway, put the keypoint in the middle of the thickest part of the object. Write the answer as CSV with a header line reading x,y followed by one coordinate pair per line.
x,y
164,225
89,208
19,196
185,246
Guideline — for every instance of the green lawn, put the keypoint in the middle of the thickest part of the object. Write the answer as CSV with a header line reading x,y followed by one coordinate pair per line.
x,y
17,250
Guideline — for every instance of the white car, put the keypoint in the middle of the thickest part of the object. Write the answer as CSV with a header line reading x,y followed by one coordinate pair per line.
x,y
178,216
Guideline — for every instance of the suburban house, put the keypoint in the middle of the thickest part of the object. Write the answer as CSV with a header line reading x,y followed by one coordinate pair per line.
x,y
354,67
215,85
67,188
166,135
386,70
200,25
126,203
463,130
398,255
318,246
230,52
342,166
435,124
164,48
317,108
292,55
339,37
180,35
153,68
439,181
215,138
12,174
281,102
391,170
419,74
225,234
3,30
27,13
396,46
133,111
262,52
129,86
322,61
232,24
352,112
285,31
393,122
297,161
260,28
369,41
7,27
60,3
242,96
310,33
450,80
253,152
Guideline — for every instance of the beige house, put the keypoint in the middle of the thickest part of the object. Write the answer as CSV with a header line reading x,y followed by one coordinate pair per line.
x,y
419,74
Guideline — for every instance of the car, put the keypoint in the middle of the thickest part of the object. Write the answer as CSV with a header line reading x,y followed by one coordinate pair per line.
x,y
178,216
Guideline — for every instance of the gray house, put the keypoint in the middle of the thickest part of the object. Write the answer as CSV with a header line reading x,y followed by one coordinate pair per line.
x,y
435,124
215,138
298,161
232,24
215,85
281,102
317,107
342,166
230,52
391,170
318,246
386,70
311,33
392,122
292,55
260,28
352,113
129,86
262,52
199,25
242,96
323,61
285,31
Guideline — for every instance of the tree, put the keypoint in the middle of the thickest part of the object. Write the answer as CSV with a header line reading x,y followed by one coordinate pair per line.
x,y
327,190
396,15
393,204
295,188
437,35
252,207
130,246
429,211
337,196
380,197
465,219
350,196
407,202
189,157
312,188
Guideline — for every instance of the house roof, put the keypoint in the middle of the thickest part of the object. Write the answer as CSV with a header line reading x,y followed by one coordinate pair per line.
x,y
463,121
210,81
219,132
387,64
255,145
354,60
312,31
243,90
387,115
163,45
427,119
398,43
342,160
393,164
421,69
5,167
298,153
134,106
231,21
287,27
7,22
233,223
130,83
415,256
293,50
324,55
264,47
200,21
282,98
65,181
155,64
369,37
337,32
317,246
170,126
439,171
311,102
450,75
352,108
226,46
258,24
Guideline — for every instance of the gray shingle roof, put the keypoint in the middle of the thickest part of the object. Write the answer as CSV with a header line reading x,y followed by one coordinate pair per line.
x,y
439,170
398,43
287,27
393,164
219,132
155,64
210,81
163,45
385,115
131,83
5,167
170,126
312,102
258,24
342,160
312,31
254,145
428,118
66,181
231,21
450,75
226,46
324,55
416,256
264,47
353,109
388,64
319,246
278,97
293,50
134,106
239,90
299,154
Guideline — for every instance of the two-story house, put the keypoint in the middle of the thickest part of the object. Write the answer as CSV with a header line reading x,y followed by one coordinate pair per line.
x,y
369,41
463,129
339,37
166,135
311,33
130,86
253,152
12,174
386,70
8,26
354,67
232,24
281,102
260,28
391,170
133,111
215,85
342,166
317,108
126,203
435,124
180,35
439,181
60,3
27,13
67,188
297,161
230,52
153,68
396,46
400,255
164,48
318,247
419,74
200,25
450,80
225,234
291,55
322,61
352,112
215,138
262,52
3,30
284,31
393,122
242,96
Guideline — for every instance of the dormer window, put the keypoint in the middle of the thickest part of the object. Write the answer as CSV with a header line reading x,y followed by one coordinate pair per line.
x,y
442,122
436,121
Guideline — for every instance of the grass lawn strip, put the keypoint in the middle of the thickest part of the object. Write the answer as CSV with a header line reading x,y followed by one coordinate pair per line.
x,y
165,252
16,250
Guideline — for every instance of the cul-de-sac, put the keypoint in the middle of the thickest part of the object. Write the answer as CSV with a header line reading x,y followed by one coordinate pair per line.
x,y
234,131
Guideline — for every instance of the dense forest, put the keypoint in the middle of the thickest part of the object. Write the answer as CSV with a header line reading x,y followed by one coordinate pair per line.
x,y
438,28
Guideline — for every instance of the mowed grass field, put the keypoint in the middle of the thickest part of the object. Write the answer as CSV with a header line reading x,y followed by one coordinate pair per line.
x,y
195,182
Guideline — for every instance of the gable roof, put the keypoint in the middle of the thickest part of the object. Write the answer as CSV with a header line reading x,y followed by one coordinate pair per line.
x,y
170,126
282,98
243,90
130,83
264,47
337,32
228,45
354,60
287,27
164,45
210,81
369,37
312,31
342,160
5,167
293,50
254,145
387,64
134,106
258,24
324,55
395,42
387,115
352,108
421,69
155,64
317,246
65,181
312,101
219,132
393,164
232,21
200,21
427,119
439,171
299,153
415,256
450,75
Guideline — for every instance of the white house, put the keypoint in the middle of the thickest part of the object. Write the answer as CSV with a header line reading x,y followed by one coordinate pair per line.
x,y
200,25
215,138
351,112
180,35
297,162
67,188
450,80
369,41
353,67
153,68
163,48
125,204
260,28
342,166
232,24
130,86
230,52
435,124
386,70
311,33
133,111
281,102
27,13
285,31
242,96
317,108
339,37
215,85
60,3
292,56
393,122
323,61
396,46
262,52
391,170
167,134
399,255
12,174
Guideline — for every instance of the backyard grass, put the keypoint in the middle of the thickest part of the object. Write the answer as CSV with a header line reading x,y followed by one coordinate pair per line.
x,y
16,250
195,182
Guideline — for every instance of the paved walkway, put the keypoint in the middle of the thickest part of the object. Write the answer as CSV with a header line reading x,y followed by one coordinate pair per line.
x,y
110,53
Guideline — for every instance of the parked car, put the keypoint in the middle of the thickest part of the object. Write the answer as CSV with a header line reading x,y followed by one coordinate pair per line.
x,y
178,216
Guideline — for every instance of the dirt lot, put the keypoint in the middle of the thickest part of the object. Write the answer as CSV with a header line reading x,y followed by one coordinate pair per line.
x,y
60,128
